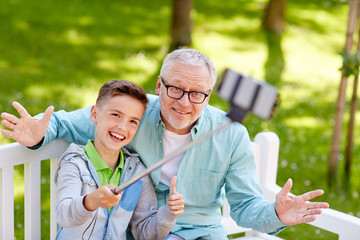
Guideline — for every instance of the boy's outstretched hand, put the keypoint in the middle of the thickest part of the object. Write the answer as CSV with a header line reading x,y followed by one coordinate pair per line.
x,y
175,201
293,210
101,197
26,130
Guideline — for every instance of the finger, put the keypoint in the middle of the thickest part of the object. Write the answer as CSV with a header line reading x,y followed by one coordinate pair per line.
x,y
8,133
177,212
179,201
313,194
47,115
314,205
313,212
21,110
172,185
9,117
8,124
308,219
176,205
176,197
286,189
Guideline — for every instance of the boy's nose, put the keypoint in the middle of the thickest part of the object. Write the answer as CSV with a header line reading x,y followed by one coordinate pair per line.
x,y
122,125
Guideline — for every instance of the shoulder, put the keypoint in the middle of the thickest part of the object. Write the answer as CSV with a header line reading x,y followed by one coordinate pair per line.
x,y
153,104
213,117
134,157
73,153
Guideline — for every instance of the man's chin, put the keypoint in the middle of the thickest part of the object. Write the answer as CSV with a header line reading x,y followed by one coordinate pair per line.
x,y
182,127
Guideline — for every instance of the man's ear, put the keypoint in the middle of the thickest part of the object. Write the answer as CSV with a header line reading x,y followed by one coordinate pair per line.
x,y
158,85
93,113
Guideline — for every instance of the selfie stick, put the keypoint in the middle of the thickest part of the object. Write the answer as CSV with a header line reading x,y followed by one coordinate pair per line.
x,y
244,94
168,158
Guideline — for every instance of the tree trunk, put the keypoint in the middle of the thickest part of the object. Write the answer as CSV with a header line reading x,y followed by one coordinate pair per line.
x,y
333,160
181,24
274,16
350,138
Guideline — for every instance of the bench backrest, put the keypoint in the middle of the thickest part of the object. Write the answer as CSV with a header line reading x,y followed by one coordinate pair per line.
x,y
266,151
15,154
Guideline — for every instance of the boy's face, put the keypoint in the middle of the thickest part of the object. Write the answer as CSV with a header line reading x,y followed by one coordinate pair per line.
x,y
116,122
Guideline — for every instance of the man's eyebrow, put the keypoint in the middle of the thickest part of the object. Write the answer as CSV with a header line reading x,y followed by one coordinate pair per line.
x,y
194,85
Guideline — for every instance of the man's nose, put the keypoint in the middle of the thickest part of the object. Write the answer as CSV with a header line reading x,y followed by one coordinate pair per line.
x,y
184,100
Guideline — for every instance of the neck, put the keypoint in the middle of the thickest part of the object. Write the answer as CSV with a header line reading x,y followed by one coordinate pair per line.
x,y
110,157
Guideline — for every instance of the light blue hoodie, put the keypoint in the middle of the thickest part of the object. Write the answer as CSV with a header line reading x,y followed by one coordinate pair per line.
x,y
76,176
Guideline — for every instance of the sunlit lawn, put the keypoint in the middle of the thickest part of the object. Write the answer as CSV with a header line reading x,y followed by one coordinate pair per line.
x,y
60,52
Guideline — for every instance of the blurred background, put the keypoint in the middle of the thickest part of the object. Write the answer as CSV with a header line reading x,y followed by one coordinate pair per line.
x,y
60,52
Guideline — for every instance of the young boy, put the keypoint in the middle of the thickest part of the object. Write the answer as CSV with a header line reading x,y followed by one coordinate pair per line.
x,y
86,207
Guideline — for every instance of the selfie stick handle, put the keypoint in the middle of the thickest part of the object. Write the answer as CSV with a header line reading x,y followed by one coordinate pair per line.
x,y
166,159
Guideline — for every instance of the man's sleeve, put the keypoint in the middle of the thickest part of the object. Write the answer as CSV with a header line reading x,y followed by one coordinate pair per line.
x,y
75,126
248,207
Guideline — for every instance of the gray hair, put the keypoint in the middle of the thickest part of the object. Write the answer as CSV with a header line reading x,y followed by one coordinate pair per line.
x,y
190,57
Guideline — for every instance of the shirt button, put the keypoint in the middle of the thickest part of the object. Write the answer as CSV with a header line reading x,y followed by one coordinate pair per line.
x,y
130,168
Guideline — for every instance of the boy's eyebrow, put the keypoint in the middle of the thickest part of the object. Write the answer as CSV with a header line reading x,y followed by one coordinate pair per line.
x,y
115,110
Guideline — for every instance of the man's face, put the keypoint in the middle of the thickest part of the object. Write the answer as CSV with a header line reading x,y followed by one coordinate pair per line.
x,y
180,115
116,122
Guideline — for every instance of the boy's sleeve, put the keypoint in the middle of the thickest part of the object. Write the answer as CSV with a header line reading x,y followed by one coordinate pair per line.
x,y
75,126
147,222
69,208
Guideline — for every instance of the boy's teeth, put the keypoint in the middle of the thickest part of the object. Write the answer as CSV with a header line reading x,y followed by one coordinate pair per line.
x,y
118,136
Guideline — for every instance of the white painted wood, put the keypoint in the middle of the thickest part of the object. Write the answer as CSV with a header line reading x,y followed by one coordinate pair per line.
x,y
53,224
15,154
32,200
7,203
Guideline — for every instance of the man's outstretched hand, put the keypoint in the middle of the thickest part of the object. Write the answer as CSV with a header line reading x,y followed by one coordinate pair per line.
x,y
26,130
293,210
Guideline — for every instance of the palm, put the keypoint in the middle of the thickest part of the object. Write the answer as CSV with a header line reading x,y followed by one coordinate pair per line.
x,y
293,210
26,130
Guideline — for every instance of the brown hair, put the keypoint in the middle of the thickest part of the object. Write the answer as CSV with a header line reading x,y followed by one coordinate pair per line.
x,y
121,87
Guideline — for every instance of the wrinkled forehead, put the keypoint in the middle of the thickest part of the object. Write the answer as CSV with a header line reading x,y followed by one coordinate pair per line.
x,y
197,76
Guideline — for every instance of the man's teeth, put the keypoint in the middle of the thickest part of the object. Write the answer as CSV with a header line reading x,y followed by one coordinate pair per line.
x,y
180,112
121,137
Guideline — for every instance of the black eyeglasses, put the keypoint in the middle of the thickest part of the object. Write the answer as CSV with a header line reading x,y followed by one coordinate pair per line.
x,y
177,93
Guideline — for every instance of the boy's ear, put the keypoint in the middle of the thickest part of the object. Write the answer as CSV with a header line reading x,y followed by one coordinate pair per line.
x,y
158,85
93,113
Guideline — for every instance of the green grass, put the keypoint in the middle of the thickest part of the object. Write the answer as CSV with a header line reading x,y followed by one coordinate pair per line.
x,y
60,52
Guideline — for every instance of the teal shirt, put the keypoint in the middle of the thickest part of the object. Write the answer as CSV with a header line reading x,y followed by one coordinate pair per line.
x,y
223,164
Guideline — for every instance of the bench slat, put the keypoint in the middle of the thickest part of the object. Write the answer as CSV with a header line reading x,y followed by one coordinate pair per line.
x,y
53,224
32,175
7,203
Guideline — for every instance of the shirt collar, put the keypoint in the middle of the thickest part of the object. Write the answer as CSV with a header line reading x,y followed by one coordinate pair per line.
x,y
96,159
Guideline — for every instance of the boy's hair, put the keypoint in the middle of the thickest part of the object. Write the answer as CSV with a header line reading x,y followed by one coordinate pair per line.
x,y
118,88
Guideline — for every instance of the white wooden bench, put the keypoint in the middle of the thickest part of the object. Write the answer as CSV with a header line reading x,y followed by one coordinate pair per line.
x,y
266,150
